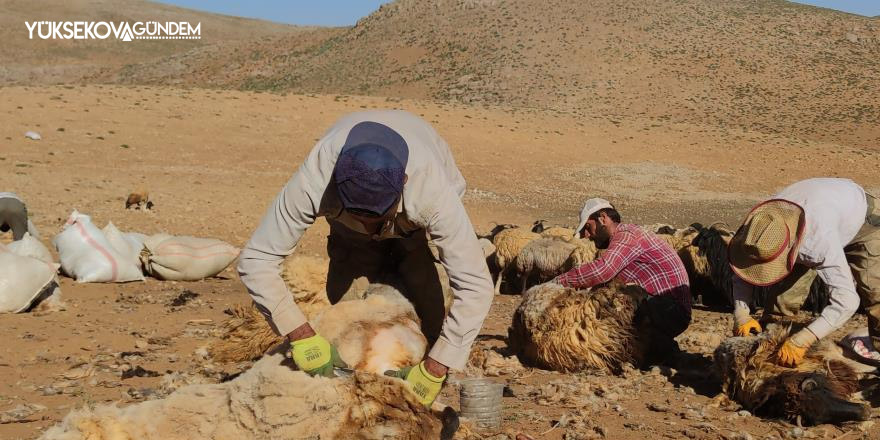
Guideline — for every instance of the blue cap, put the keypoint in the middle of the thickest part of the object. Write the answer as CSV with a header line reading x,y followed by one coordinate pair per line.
x,y
371,168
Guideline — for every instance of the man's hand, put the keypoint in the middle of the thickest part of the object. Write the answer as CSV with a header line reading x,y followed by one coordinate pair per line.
x,y
312,353
744,325
425,379
749,328
795,347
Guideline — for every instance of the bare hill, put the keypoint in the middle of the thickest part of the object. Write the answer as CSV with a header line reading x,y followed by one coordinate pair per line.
x,y
24,61
764,65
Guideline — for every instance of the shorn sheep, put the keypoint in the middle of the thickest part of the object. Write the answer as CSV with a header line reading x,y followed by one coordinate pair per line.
x,y
815,392
382,326
548,257
570,330
247,334
271,400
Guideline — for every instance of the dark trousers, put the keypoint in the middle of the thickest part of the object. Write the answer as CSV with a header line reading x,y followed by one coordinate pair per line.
x,y
13,215
659,320
406,263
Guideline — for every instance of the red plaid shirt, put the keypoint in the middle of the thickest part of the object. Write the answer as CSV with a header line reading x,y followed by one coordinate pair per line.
x,y
635,256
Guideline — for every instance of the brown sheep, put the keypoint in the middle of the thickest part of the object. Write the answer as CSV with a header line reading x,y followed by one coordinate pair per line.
x,y
139,199
815,392
570,330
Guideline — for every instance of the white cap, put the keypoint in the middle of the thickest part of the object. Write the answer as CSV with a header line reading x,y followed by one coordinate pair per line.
x,y
591,207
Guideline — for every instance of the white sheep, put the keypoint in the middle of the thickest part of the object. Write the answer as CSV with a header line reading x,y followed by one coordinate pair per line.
x,y
548,257
383,315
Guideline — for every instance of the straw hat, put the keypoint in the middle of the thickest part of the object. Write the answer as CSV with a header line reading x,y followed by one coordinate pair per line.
x,y
765,247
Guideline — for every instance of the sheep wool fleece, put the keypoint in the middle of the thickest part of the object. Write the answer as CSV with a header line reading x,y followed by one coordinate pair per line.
x,y
430,203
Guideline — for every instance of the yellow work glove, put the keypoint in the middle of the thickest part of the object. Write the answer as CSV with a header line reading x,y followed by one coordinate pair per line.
x,y
749,328
745,325
424,385
315,356
795,347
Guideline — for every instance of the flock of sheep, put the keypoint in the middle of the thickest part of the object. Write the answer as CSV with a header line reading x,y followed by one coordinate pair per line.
x,y
556,328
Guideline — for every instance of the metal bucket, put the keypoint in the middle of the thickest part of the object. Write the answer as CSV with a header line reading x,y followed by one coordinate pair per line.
x,y
481,402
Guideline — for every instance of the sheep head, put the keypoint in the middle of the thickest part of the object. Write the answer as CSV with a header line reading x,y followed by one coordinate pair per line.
x,y
815,392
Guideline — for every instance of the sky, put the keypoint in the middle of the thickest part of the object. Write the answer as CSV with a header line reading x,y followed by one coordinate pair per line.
x,y
347,12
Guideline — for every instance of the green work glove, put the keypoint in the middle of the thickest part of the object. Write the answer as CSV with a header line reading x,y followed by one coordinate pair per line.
x,y
315,356
425,386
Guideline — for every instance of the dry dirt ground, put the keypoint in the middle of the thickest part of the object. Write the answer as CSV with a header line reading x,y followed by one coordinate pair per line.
x,y
213,161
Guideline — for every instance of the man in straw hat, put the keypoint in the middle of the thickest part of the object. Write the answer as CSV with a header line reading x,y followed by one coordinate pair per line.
x,y
827,224
635,256
387,184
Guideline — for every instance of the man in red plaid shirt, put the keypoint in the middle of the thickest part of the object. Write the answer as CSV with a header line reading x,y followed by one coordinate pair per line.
x,y
635,256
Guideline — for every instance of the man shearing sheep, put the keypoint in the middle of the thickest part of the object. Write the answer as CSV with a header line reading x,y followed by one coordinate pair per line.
x,y
387,184
830,225
635,256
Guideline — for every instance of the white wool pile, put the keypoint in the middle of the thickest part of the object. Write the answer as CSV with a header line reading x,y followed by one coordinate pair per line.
x,y
269,401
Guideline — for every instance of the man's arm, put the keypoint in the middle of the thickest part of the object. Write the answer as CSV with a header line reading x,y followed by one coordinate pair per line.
x,y
281,228
472,288
621,251
742,295
836,274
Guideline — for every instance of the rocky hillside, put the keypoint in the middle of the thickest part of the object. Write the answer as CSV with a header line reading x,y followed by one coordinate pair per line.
x,y
24,61
769,66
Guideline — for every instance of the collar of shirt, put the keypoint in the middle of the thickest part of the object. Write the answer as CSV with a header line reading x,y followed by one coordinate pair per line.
x,y
391,228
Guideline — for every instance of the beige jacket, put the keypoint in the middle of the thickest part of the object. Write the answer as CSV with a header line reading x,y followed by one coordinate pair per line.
x,y
431,201
835,210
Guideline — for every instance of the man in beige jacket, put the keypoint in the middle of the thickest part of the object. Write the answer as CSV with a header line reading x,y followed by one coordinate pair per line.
x,y
387,183
831,225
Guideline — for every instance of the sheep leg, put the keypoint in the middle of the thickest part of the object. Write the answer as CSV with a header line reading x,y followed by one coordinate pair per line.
x,y
498,283
525,283
448,419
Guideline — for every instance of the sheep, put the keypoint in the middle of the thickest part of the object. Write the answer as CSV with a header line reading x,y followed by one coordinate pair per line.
x,y
139,199
570,330
659,229
815,392
269,401
306,279
508,245
384,315
705,259
548,257
541,227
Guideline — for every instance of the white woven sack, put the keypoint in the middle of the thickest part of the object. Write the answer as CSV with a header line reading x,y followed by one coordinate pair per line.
x,y
86,254
129,245
29,246
22,280
186,258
